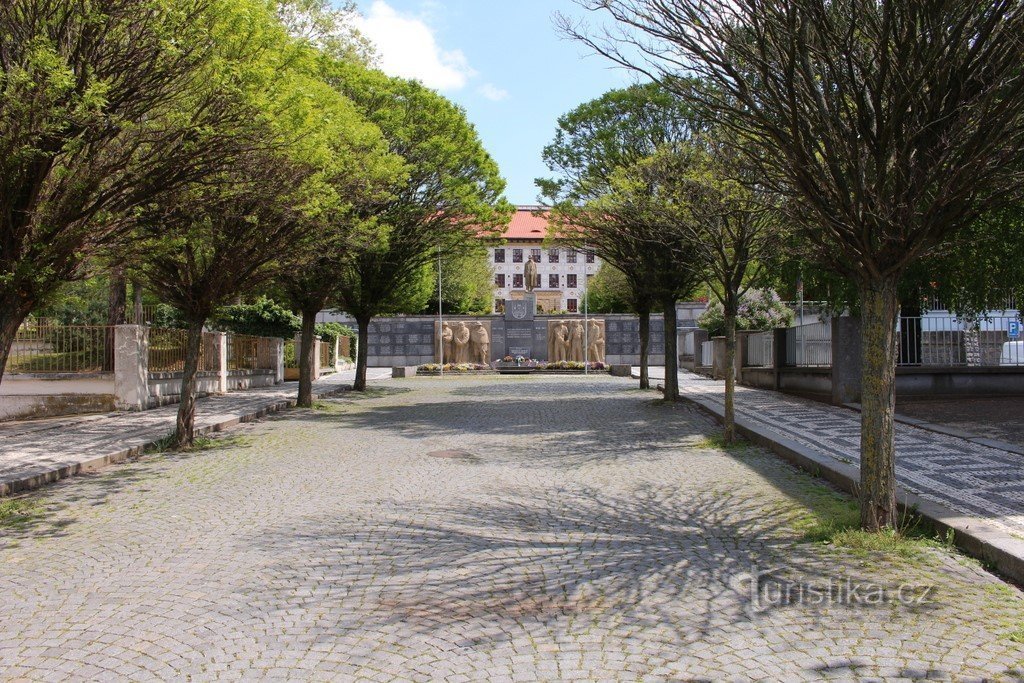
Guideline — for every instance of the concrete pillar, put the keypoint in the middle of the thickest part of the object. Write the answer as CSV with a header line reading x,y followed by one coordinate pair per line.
x,y
699,337
779,349
317,344
718,362
741,353
337,354
131,367
846,360
278,361
220,345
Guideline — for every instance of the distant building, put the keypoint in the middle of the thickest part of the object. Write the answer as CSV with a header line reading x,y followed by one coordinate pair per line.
x,y
562,273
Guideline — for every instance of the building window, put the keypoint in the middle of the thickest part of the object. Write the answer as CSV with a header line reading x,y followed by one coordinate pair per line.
x,y
499,279
499,255
570,281
552,281
517,256
553,255
517,281
499,305
537,284
590,257
535,255
572,306
571,256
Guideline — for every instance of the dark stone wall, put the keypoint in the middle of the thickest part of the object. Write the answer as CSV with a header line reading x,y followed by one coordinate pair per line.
x,y
405,341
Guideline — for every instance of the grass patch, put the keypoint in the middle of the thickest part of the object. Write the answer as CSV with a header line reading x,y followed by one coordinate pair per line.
x,y
16,514
199,445
1016,636
717,442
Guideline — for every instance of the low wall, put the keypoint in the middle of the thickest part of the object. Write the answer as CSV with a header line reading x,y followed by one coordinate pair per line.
x,y
57,384
165,387
410,341
31,396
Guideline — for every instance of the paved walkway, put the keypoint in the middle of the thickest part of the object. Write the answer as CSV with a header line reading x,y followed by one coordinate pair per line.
x,y
39,450
582,532
962,475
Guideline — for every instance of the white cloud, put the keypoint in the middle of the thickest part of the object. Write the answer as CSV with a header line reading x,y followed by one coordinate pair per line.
x,y
407,47
493,92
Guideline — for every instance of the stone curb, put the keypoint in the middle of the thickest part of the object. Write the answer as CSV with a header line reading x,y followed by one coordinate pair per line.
x,y
19,483
973,535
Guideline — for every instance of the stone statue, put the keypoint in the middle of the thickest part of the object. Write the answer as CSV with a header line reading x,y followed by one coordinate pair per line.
x,y
480,344
447,335
460,342
531,275
559,342
596,345
576,342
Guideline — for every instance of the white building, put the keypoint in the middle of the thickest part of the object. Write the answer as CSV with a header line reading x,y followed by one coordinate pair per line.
x,y
562,273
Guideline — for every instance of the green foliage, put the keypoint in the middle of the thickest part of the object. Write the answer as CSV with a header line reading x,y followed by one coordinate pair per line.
x,y
262,318
609,292
82,302
168,317
331,332
467,284
759,310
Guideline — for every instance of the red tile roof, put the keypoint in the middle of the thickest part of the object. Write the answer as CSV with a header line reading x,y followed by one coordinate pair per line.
x,y
526,226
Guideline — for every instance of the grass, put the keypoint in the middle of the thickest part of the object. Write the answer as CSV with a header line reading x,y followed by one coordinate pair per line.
x,y
16,514
199,445
717,442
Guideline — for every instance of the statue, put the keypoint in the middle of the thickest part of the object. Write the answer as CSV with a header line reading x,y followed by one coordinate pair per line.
x,y
460,342
559,342
596,345
480,344
531,275
576,342
447,352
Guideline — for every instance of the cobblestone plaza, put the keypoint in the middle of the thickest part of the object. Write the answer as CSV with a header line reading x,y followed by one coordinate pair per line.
x,y
514,529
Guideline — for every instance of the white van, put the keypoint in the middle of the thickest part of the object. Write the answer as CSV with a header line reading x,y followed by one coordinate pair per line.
x,y
1012,353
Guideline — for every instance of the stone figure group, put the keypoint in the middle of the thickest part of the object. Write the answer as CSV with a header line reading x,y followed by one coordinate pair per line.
x,y
466,343
568,339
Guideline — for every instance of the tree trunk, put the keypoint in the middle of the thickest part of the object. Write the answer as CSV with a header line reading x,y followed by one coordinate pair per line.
x,y
10,321
362,355
671,352
645,348
729,417
184,432
137,308
308,357
879,308
117,300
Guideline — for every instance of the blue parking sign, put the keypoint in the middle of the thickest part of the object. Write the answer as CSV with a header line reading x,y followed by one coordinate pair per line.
x,y
1014,329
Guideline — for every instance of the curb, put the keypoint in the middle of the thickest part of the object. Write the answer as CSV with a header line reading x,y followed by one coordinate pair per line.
x,y
28,482
973,535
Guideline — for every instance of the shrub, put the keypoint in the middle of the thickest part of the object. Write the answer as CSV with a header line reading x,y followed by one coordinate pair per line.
x,y
263,318
759,310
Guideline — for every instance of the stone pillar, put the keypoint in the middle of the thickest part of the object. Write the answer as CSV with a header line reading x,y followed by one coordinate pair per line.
x,y
779,349
718,362
741,354
220,345
846,360
278,361
317,344
699,337
131,367
337,354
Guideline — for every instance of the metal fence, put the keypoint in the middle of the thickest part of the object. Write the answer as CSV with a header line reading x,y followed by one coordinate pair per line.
x,y
809,346
251,353
707,354
167,351
760,350
41,348
949,341
326,353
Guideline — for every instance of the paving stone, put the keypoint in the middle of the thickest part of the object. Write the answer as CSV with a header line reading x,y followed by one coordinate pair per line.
x,y
588,540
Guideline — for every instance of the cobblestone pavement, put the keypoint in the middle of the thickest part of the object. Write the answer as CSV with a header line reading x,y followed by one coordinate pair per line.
x,y
962,475
37,447
993,418
581,531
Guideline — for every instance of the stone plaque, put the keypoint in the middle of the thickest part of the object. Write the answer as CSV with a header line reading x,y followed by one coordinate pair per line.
x,y
521,309
519,338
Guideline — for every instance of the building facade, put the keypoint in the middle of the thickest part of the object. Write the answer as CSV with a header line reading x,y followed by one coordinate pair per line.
x,y
562,273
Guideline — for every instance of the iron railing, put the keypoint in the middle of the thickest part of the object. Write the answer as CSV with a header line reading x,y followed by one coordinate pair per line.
x,y
326,352
167,351
45,348
251,353
760,350
949,341
809,346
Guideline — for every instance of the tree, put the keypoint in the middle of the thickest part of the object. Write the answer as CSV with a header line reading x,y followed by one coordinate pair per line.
x,y
734,230
889,127
98,102
609,292
467,283
450,194
592,143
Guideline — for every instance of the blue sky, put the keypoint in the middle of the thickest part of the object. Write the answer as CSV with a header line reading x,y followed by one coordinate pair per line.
x,y
502,61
